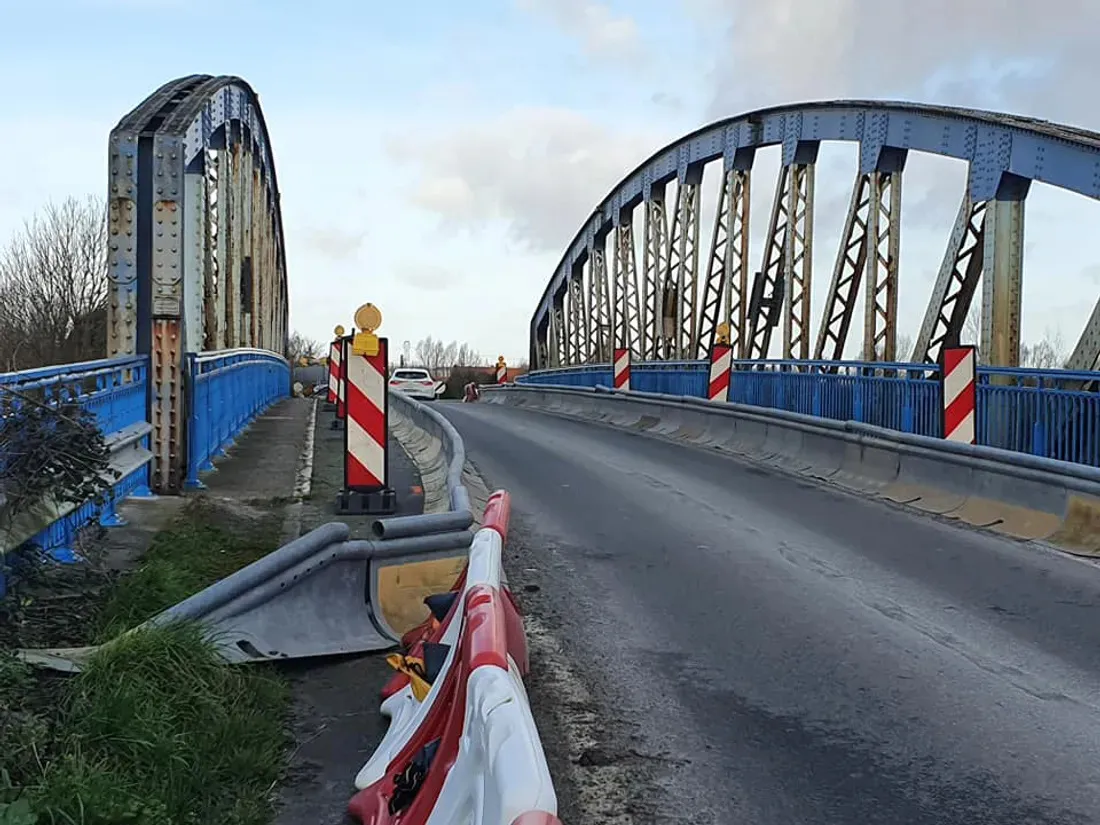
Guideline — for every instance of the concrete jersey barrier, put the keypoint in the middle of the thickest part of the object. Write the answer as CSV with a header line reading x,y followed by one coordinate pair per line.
x,y
1022,496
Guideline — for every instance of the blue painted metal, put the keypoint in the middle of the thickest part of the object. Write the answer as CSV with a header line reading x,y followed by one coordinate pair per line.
x,y
992,143
226,390
114,391
1048,413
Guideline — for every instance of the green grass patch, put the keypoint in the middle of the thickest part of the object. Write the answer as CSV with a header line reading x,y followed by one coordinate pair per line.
x,y
193,553
155,729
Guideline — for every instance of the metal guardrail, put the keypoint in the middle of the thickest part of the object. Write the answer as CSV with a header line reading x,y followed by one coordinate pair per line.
x,y
1049,413
226,391
114,391
432,422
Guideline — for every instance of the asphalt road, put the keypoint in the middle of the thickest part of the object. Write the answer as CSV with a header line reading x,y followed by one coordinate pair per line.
x,y
756,649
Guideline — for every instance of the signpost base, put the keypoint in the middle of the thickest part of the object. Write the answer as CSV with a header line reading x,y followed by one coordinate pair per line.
x,y
375,503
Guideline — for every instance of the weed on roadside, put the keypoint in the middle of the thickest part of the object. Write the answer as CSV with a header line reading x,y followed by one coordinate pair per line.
x,y
156,728
183,738
196,551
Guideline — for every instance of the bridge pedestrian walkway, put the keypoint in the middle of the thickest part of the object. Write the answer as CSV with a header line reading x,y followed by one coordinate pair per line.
x,y
258,475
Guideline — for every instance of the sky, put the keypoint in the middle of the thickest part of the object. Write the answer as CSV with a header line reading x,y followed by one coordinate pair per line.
x,y
435,158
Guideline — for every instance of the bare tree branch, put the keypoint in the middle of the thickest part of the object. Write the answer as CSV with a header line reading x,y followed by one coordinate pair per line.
x,y
299,346
53,287
438,357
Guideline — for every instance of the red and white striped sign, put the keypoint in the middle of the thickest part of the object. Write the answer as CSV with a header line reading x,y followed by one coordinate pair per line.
x,y
721,360
959,394
502,373
333,372
365,467
621,369
342,379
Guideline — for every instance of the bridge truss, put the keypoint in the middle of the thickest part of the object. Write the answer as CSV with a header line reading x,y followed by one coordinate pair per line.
x,y
197,261
670,306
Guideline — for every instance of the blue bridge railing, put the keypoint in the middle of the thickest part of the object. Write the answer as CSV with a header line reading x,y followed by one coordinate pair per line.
x,y
226,390
1051,413
114,391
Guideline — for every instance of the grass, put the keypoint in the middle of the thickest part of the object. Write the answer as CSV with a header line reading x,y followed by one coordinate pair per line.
x,y
155,729
194,552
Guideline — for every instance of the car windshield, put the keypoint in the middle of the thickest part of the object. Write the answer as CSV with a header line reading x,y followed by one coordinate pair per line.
x,y
411,375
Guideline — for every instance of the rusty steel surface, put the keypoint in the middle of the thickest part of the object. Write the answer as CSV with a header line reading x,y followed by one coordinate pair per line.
x,y
194,222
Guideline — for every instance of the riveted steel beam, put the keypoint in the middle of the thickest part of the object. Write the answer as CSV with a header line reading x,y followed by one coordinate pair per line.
x,y
682,276
1004,271
798,245
851,261
628,320
653,267
558,336
122,272
766,300
1086,355
957,280
725,293
880,312
578,320
599,302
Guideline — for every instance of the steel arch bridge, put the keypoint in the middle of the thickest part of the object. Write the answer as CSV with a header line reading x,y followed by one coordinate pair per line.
x,y
671,306
196,254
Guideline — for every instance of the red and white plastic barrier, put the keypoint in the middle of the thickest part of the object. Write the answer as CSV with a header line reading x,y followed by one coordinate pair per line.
x,y
721,361
469,753
620,371
959,393
334,371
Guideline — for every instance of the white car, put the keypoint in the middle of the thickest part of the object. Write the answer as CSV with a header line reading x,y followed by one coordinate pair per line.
x,y
414,382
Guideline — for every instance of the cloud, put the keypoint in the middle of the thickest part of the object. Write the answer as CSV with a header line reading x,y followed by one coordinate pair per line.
x,y
667,100
539,170
428,277
1019,54
335,244
603,34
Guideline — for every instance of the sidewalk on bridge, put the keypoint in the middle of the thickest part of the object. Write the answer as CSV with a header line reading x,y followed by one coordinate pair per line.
x,y
258,478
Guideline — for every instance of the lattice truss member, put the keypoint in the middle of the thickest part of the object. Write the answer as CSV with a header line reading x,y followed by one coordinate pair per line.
x,y
669,306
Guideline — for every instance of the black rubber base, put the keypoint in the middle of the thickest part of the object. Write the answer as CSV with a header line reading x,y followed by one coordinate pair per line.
x,y
376,503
